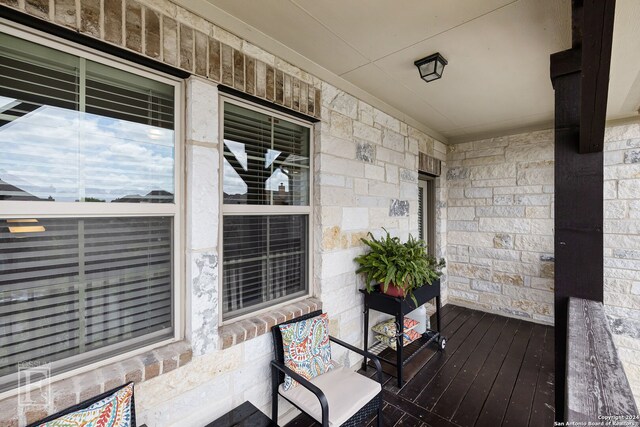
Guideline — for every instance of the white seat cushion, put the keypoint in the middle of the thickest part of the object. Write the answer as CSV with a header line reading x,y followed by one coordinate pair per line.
x,y
346,393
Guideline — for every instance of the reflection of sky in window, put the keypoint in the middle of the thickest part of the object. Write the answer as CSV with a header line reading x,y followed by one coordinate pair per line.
x,y
232,182
277,177
238,150
7,103
68,154
271,156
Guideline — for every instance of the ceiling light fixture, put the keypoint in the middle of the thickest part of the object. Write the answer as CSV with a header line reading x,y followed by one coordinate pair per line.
x,y
25,228
431,67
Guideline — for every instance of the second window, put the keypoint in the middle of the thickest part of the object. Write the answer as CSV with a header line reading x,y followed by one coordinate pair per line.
x,y
266,177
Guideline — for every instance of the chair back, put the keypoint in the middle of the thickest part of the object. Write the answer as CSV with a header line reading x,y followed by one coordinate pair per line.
x,y
85,404
278,347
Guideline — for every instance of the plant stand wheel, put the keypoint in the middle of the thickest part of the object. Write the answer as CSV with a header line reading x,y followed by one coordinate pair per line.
x,y
442,343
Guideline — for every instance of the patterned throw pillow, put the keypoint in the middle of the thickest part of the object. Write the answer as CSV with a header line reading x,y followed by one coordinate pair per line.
x,y
112,411
391,342
306,348
388,327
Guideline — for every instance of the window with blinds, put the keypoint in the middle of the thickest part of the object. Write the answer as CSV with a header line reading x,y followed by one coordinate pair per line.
x,y
93,278
74,130
266,209
78,285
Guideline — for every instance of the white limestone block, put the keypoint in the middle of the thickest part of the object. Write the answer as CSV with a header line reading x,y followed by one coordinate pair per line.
x,y
355,219
202,111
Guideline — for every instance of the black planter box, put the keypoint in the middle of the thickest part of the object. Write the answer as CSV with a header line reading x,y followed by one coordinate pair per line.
x,y
398,307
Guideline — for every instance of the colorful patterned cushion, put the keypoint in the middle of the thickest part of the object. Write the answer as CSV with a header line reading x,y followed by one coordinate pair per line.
x,y
112,411
388,327
306,348
391,342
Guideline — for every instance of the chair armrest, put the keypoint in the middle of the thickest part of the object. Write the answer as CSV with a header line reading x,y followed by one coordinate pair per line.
x,y
365,353
324,404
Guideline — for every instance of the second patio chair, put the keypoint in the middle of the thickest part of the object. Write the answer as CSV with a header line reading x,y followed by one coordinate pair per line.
x,y
337,397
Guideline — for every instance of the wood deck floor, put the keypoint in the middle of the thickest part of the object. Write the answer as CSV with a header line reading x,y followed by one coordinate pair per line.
x,y
495,371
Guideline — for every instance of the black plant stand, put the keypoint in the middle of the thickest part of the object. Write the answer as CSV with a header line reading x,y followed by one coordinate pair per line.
x,y
399,307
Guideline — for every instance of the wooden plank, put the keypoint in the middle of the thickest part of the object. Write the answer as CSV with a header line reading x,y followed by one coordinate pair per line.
x,y
438,383
244,415
454,340
409,370
390,416
302,420
596,381
411,408
447,314
597,39
473,402
451,399
467,412
521,401
409,421
498,399
543,409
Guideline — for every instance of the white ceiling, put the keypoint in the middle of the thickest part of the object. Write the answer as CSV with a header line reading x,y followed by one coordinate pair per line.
x,y
497,79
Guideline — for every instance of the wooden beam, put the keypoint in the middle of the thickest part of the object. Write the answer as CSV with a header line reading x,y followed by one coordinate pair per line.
x,y
578,219
580,77
565,62
596,382
597,38
576,23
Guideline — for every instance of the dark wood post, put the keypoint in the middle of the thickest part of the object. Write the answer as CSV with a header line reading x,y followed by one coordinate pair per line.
x,y
578,218
580,77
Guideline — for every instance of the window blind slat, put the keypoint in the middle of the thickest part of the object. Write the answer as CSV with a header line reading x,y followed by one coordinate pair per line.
x,y
265,257
115,283
53,351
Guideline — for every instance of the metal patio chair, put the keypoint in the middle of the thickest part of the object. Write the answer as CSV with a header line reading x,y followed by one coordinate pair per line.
x,y
340,397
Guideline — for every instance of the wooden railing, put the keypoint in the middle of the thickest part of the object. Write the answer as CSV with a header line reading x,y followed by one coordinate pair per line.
x,y
597,387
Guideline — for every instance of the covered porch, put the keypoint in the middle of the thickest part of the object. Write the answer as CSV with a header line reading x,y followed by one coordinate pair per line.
x,y
496,371
177,177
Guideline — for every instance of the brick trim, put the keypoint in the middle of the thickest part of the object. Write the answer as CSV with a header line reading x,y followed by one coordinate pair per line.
x,y
181,39
246,329
76,389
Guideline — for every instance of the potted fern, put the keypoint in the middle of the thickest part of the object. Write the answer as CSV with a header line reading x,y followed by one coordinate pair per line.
x,y
397,268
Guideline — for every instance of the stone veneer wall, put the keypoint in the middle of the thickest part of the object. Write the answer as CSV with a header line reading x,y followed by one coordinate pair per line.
x,y
363,161
170,34
500,231
622,245
500,225
365,179
363,166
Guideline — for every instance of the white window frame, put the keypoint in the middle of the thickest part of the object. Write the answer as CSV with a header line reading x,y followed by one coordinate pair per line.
x,y
46,209
263,210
